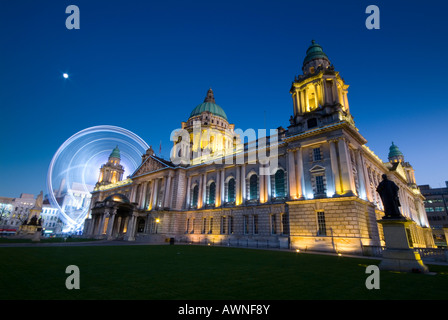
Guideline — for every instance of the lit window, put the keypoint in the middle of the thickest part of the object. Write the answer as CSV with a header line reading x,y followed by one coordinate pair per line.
x,y
255,223
211,193
246,224
322,229
231,190
194,201
316,154
279,183
320,186
253,187
273,224
223,225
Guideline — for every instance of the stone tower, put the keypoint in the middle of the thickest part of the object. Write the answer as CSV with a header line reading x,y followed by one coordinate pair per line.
x,y
112,171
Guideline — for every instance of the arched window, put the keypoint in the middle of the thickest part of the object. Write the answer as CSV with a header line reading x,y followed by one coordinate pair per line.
x,y
279,183
231,190
211,193
194,199
253,187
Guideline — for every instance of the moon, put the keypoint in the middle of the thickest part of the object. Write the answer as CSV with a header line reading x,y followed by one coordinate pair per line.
x,y
65,75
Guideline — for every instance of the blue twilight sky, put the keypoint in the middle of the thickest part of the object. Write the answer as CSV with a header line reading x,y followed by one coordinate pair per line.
x,y
144,65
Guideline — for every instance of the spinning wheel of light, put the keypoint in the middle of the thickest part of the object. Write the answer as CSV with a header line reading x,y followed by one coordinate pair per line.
x,y
74,169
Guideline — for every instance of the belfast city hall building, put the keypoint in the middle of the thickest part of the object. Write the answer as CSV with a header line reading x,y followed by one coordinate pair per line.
x,y
311,186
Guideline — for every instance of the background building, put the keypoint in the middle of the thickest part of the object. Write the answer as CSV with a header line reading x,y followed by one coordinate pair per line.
x,y
14,211
436,206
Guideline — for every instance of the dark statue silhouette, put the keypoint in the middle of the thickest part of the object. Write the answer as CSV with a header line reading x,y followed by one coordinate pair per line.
x,y
388,192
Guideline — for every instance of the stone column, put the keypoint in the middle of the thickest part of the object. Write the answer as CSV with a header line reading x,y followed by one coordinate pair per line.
x,y
133,192
361,178
292,175
335,92
335,168
316,98
322,91
130,230
306,105
187,198
366,179
262,186
268,186
155,193
345,164
143,201
300,180
101,223
295,102
302,102
223,177
90,231
218,189
237,185
167,201
110,224
204,190
243,183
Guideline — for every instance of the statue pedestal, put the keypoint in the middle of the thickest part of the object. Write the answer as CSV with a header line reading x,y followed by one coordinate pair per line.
x,y
399,254
29,232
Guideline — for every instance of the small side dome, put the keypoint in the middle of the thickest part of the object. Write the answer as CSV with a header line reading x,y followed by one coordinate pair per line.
x,y
115,153
117,197
314,52
395,155
315,57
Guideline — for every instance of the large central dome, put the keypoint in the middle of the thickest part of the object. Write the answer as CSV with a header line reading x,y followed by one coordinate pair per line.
x,y
210,106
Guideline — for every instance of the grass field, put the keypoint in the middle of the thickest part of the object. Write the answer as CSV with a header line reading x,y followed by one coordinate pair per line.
x,y
199,272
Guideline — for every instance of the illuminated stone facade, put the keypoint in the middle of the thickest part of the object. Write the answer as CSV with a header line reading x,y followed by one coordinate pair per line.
x,y
320,193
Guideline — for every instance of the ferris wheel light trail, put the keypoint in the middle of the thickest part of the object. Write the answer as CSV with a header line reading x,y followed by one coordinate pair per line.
x,y
75,166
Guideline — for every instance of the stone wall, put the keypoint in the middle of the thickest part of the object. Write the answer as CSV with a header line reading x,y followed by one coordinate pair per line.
x,y
349,224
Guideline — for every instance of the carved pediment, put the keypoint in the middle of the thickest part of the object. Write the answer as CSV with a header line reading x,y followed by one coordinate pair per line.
x,y
317,168
151,164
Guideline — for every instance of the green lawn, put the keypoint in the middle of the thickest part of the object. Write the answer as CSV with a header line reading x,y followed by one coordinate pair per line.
x,y
199,272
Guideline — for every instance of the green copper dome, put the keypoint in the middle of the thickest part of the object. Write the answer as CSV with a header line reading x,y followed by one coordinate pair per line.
x,y
210,106
115,153
394,151
314,52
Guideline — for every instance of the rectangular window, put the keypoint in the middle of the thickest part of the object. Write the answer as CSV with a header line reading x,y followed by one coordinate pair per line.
x,y
192,225
210,230
231,224
273,224
320,187
316,154
255,224
285,223
187,226
204,225
322,231
223,225
246,224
